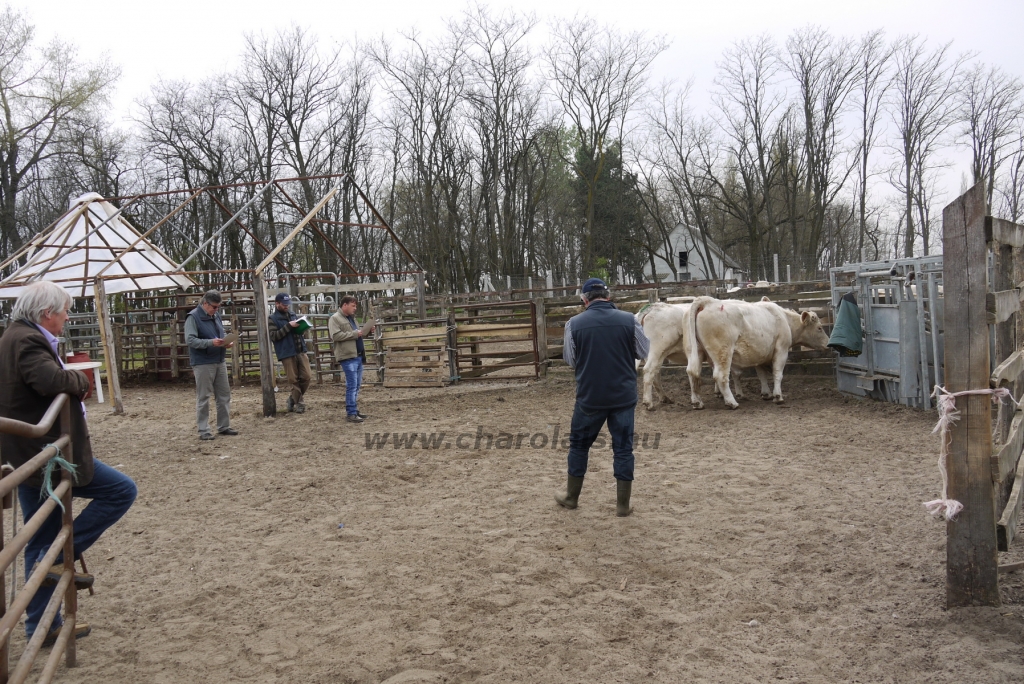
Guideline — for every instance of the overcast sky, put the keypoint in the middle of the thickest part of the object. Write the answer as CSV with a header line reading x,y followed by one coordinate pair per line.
x,y
192,39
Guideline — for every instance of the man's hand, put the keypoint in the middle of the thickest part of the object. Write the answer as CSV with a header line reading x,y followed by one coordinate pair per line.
x,y
83,384
294,324
217,342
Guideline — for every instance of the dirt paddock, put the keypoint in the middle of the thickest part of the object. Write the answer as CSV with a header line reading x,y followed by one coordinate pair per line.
x,y
772,543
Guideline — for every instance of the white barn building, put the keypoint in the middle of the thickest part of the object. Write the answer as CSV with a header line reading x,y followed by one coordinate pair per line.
x,y
691,262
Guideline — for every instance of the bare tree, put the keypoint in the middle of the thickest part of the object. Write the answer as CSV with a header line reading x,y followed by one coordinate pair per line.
x,y
871,84
42,92
753,115
597,75
924,108
824,69
505,114
990,110
683,154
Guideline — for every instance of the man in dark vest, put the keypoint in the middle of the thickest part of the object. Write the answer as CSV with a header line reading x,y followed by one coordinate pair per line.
x,y
290,347
602,344
204,335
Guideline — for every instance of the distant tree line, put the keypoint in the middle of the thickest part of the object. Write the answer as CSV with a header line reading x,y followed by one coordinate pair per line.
x,y
507,147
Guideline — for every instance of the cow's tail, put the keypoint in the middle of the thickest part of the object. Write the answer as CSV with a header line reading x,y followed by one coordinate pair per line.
x,y
693,363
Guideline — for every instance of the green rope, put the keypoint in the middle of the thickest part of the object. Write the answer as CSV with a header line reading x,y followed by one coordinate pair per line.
x,y
57,460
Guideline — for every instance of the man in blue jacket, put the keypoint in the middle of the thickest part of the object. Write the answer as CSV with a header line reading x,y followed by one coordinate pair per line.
x,y
290,347
204,335
602,344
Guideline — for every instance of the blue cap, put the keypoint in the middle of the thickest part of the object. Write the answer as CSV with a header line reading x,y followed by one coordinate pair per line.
x,y
283,298
594,284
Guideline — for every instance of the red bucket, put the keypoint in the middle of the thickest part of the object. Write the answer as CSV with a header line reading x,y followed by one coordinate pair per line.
x,y
84,358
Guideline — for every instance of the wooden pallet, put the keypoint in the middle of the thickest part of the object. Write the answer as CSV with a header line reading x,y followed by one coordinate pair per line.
x,y
415,367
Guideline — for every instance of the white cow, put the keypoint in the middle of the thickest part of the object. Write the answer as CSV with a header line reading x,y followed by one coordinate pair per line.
x,y
736,334
665,326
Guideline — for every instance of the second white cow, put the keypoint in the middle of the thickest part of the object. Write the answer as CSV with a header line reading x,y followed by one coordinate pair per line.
x,y
735,334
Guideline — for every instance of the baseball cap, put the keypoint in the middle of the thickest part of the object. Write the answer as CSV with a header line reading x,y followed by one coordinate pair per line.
x,y
283,298
594,284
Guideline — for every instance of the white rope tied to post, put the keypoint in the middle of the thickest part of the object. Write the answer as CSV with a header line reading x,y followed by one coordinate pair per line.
x,y
948,415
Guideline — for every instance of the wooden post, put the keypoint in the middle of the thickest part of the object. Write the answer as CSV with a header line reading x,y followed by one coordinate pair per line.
x,y
1004,345
971,548
540,322
174,346
259,291
453,345
109,354
421,301
236,361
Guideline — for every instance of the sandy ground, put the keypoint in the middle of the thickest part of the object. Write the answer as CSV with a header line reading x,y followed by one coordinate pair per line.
x,y
783,543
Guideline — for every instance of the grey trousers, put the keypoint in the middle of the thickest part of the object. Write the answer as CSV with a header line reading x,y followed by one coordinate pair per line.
x,y
212,378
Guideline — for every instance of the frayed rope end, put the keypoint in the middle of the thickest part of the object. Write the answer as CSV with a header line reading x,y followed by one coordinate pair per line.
x,y
946,508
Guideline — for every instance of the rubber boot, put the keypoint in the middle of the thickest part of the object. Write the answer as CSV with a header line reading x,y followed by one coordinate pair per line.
x,y
622,492
572,492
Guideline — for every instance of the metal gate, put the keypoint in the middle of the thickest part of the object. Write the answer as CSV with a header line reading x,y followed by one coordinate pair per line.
x,y
901,311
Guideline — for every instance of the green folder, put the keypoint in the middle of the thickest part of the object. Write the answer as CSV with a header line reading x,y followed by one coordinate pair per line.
x,y
303,325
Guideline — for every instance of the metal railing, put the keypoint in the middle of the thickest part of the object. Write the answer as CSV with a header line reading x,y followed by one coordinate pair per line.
x,y
65,590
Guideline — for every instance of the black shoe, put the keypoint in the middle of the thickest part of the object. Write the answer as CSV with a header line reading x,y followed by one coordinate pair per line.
x,y
354,418
82,629
206,436
229,432
291,404
300,407
361,415
83,580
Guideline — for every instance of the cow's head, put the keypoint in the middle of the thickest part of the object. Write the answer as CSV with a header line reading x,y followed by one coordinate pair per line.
x,y
811,333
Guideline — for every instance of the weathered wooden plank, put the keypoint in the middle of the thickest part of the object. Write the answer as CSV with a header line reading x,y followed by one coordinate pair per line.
x,y
1004,461
971,548
479,328
524,359
410,382
345,288
413,372
411,363
1012,567
486,338
414,334
434,351
1008,371
1004,232
1001,305
1006,528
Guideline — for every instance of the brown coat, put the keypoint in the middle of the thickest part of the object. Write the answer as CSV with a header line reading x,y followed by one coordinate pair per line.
x,y
30,377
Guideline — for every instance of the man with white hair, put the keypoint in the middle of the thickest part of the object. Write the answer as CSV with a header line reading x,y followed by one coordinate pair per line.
x,y
31,375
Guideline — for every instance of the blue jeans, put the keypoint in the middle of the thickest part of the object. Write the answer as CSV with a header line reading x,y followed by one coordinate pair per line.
x,y
586,424
112,493
353,379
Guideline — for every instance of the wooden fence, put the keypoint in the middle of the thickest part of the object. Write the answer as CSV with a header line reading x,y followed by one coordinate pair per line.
x,y
422,341
984,466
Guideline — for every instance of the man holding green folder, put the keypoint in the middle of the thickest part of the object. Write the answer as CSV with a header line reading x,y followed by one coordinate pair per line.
x,y
286,331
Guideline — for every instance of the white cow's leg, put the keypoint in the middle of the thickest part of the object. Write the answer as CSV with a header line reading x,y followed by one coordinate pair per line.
x,y
737,386
778,365
762,375
693,369
722,373
652,369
